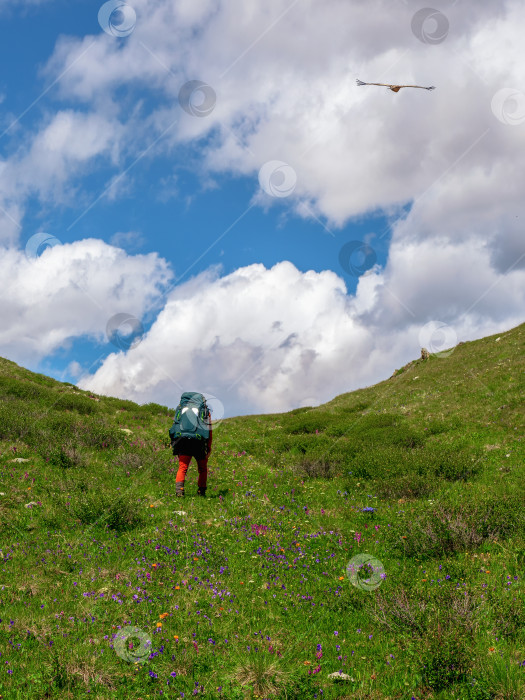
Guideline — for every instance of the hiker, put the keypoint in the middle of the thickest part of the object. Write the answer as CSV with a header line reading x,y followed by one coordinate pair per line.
x,y
191,436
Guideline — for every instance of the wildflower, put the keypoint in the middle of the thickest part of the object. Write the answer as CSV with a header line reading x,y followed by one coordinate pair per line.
x,y
159,624
177,588
176,637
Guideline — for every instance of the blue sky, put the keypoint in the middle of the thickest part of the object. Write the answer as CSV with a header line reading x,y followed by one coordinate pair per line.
x,y
164,216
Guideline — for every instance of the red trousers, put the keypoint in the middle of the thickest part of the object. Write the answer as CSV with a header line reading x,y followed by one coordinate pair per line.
x,y
202,465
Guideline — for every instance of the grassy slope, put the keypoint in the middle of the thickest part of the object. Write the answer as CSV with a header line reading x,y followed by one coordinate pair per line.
x,y
435,453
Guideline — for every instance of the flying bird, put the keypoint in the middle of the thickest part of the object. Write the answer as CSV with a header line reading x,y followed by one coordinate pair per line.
x,y
396,88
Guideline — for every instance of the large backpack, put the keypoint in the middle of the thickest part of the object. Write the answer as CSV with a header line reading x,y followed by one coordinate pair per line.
x,y
191,418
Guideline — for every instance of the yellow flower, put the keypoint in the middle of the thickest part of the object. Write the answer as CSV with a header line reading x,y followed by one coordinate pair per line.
x,y
177,588
159,624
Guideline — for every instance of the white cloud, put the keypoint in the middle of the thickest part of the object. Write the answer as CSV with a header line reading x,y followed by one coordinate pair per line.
x,y
264,340
72,290
284,75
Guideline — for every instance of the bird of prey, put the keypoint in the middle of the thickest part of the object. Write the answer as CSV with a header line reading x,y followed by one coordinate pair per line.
x,y
396,88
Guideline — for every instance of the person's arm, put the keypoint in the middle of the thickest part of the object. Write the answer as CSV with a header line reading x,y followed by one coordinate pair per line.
x,y
210,438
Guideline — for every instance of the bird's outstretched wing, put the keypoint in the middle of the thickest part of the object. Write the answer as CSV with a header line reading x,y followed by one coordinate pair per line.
x,y
360,82
396,88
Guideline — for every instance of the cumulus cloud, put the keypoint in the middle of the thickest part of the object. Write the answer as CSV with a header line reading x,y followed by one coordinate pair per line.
x,y
284,74
72,290
264,340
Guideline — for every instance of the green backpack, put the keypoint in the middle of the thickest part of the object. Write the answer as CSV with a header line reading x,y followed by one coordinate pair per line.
x,y
191,418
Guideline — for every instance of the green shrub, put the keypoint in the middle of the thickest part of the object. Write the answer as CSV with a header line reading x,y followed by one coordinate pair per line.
x,y
119,513
99,433
455,465
154,409
406,486
445,529
75,402
313,468
446,662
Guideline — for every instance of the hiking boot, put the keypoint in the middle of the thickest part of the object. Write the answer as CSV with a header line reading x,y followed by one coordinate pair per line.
x,y
201,491
179,489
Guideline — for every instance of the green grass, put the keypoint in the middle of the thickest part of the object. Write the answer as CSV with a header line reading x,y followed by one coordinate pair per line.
x,y
249,593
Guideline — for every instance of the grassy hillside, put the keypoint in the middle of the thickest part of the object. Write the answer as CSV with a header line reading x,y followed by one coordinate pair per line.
x,y
380,535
